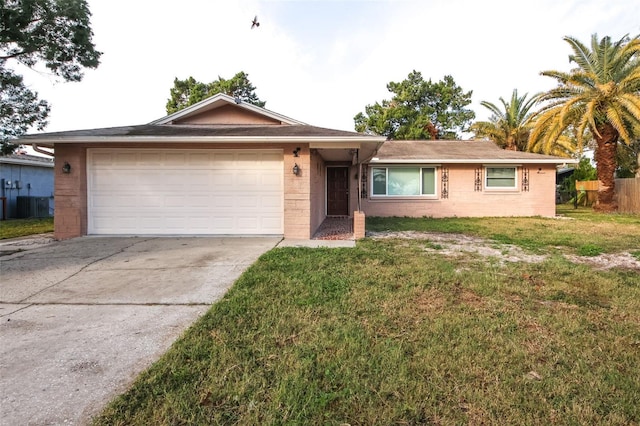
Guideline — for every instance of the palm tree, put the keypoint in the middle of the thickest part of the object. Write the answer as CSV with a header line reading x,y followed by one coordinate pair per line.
x,y
510,128
601,97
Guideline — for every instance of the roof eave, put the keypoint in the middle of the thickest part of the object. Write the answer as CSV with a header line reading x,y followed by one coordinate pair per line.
x,y
25,162
200,139
475,161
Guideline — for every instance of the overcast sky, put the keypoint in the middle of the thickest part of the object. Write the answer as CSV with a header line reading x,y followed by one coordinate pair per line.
x,y
322,62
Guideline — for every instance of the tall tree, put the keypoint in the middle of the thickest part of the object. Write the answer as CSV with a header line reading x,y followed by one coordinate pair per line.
x,y
600,96
56,33
509,126
190,91
419,110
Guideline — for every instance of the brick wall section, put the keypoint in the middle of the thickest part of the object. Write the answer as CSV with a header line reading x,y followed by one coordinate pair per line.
x,y
297,194
71,189
464,201
70,218
358,225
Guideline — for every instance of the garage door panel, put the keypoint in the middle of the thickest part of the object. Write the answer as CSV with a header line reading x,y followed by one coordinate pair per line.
x,y
247,179
271,203
271,223
185,192
151,158
223,202
271,181
247,202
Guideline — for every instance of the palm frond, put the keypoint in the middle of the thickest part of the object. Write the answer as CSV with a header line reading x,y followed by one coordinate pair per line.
x,y
582,56
631,104
616,118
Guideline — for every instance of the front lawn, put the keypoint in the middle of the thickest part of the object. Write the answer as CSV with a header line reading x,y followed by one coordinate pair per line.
x,y
395,332
22,227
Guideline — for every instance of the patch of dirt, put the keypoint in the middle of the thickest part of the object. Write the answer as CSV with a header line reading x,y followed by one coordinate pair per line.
x,y
456,245
429,301
607,260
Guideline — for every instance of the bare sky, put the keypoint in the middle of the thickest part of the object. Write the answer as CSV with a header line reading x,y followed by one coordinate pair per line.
x,y
322,62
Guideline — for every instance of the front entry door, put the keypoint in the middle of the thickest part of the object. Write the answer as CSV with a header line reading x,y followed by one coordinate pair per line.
x,y
337,191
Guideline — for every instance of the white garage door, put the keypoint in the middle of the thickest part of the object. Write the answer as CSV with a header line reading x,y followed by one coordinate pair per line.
x,y
184,192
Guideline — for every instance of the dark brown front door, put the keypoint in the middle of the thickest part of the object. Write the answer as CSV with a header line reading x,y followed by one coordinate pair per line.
x,y
337,191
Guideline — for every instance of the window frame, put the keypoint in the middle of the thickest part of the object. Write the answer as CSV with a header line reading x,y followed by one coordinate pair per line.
x,y
420,167
513,188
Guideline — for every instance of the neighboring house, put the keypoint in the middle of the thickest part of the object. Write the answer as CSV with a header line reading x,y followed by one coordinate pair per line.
x,y
223,166
26,186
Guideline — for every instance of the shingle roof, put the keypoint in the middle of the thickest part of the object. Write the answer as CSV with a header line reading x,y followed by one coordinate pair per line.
x,y
26,159
189,131
457,151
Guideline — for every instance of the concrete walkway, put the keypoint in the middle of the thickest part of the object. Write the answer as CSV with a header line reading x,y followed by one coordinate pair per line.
x,y
80,319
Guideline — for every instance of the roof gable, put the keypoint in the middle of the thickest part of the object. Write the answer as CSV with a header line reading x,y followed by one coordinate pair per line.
x,y
221,109
228,115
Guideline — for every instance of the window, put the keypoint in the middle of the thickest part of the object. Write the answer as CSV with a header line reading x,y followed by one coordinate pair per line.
x,y
500,178
403,181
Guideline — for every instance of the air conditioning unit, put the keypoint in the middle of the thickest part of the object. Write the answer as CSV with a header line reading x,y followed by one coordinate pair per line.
x,y
32,207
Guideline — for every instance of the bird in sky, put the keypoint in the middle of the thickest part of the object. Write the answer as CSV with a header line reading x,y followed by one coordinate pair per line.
x,y
255,22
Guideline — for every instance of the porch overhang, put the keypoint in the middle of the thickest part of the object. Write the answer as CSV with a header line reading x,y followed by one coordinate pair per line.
x,y
351,151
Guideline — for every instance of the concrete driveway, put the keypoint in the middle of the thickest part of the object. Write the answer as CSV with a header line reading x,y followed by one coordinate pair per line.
x,y
79,319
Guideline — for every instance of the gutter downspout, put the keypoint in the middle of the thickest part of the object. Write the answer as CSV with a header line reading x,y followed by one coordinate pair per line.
x,y
36,148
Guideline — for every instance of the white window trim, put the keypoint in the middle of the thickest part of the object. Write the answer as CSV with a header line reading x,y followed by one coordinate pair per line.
x,y
513,188
420,196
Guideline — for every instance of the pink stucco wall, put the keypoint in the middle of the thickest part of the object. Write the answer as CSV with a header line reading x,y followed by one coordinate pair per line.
x,y
465,201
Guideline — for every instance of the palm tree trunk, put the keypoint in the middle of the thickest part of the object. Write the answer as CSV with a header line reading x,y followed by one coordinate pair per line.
x,y
605,157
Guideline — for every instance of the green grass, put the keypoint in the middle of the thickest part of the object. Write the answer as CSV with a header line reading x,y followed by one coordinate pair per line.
x,y
22,227
390,333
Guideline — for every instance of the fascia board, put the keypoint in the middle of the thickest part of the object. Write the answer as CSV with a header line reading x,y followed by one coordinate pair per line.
x,y
476,161
327,142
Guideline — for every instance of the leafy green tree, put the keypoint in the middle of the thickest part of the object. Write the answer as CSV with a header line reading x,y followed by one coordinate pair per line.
x,y
628,160
419,110
190,91
508,126
582,172
20,109
56,33
600,96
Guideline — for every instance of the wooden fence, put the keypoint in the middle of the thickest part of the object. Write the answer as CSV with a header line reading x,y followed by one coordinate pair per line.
x,y
590,187
628,195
